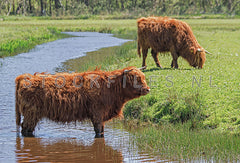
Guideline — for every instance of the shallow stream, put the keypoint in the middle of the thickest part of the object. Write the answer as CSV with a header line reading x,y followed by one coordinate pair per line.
x,y
56,142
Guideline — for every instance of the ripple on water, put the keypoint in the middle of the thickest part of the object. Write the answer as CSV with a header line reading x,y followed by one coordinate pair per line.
x,y
56,142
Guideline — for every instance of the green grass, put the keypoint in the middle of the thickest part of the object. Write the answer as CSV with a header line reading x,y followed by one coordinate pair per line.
x,y
177,142
18,36
176,94
112,55
196,110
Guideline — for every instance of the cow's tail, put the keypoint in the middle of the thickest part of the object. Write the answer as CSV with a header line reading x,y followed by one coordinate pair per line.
x,y
17,111
18,104
18,115
139,49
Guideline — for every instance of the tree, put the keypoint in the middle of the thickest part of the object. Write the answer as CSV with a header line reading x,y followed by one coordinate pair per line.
x,y
42,10
13,6
153,7
122,4
163,6
9,7
50,7
24,7
57,4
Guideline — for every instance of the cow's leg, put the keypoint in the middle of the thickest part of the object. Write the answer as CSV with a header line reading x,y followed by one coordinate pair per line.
x,y
28,128
144,53
175,57
174,62
99,129
30,121
155,57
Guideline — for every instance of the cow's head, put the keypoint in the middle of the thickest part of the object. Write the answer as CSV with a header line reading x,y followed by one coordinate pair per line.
x,y
134,83
197,58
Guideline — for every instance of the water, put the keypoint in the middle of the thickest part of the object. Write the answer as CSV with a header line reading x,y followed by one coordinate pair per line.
x,y
57,142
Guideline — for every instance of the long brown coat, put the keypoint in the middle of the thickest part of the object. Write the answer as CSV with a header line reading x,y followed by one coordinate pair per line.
x,y
97,95
163,34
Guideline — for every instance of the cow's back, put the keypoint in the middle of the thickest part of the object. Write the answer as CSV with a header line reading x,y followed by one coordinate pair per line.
x,y
155,33
163,33
51,99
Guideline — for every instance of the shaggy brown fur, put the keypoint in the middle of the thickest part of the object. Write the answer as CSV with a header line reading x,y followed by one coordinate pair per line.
x,y
97,95
163,34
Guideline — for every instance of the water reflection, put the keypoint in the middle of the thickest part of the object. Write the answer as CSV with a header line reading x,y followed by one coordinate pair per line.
x,y
64,150
43,58
59,142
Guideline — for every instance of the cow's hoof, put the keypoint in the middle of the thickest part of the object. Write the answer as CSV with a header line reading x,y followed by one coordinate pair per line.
x,y
27,133
99,135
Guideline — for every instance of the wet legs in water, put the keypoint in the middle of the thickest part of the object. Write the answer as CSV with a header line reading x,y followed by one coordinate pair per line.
x,y
29,124
99,129
27,130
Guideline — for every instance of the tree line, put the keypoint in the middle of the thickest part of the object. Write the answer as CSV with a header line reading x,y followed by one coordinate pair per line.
x,y
131,7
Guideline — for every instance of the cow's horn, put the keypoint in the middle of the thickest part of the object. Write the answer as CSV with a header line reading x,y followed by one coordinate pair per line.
x,y
207,52
199,50
126,71
142,68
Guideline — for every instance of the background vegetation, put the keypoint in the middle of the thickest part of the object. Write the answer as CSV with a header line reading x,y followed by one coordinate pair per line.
x,y
207,98
189,112
126,8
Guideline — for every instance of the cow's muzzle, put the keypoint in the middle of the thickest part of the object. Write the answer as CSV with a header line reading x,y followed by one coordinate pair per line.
x,y
145,90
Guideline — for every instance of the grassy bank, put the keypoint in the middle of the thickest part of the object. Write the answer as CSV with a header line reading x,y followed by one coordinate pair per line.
x,y
17,36
177,142
189,115
209,98
112,55
193,113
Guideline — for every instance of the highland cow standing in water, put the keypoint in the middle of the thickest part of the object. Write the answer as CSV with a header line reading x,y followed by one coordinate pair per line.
x,y
163,34
97,95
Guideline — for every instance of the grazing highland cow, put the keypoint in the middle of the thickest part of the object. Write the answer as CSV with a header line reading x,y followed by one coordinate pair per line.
x,y
63,97
163,34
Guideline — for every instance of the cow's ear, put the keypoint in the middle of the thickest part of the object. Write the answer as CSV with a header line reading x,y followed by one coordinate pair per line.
x,y
192,50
